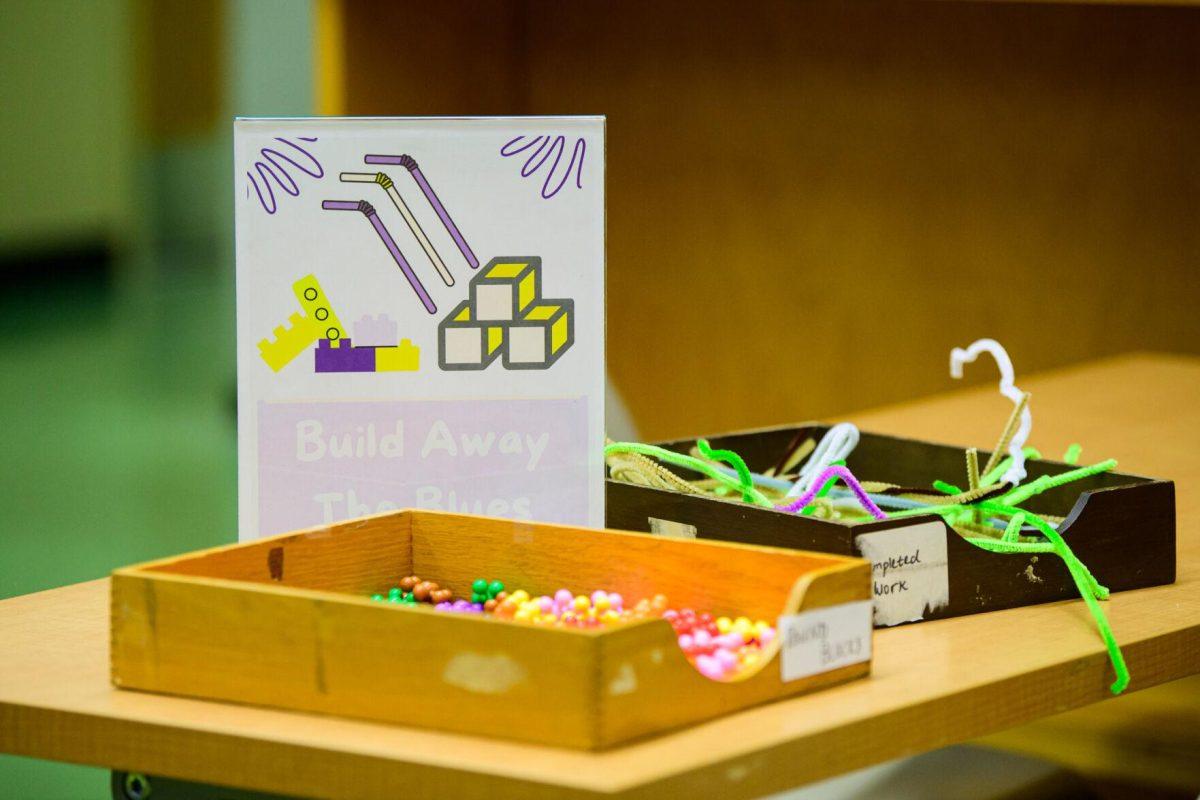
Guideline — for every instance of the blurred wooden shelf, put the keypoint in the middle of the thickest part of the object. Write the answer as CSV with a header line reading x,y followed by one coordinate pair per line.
x,y
933,684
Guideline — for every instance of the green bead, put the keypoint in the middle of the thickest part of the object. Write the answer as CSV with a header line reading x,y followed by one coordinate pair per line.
x,y
480,586
378,598
495,588
394,591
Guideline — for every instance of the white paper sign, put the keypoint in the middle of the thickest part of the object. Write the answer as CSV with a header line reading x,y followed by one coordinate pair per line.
x,y
824,639
420,311
909,571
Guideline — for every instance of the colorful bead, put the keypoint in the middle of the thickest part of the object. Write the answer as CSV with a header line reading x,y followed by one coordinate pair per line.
x,y
718,647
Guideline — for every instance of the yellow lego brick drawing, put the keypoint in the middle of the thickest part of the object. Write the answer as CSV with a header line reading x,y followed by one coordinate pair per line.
x,y
404,358
318,308
289,341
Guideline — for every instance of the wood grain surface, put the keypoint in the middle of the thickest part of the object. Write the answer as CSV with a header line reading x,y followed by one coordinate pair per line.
x,y
810,203
286,622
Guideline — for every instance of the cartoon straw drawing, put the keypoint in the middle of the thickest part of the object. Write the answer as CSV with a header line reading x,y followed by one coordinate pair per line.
x,y
368,211
386,182
410,164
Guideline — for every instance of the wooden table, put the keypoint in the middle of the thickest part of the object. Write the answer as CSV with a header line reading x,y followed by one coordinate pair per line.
x,y
934,684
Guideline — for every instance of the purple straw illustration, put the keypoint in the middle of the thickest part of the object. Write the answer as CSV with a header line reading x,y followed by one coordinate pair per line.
x,y
410,164
368,211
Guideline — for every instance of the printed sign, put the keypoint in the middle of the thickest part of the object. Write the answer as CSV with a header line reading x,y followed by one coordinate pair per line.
x,y
824,639
420,311
908,569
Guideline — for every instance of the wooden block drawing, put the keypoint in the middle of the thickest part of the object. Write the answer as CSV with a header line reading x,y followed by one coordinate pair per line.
x,y
465,343
541,336
505,288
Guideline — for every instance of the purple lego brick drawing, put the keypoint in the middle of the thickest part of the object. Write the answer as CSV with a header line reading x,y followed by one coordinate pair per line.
x,y
344,358
381,331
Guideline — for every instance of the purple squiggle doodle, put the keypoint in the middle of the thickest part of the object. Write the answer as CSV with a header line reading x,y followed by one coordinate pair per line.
x,y
268,167
555,146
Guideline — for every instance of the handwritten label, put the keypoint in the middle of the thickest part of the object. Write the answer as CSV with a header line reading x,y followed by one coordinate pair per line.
x,y
824,639
908,569
676,530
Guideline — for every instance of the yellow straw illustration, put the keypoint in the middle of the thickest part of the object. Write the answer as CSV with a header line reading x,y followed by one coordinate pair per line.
x,y
388,186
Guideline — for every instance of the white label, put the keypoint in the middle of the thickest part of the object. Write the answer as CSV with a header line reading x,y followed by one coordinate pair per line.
x,y
909,571
824,639
676,530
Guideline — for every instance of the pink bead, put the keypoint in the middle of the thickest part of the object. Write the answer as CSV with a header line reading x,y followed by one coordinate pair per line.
x,y
725,658
616,601
686,642
732,640
703,639
563,597
670,615
709,667
598,595
767,635
545,604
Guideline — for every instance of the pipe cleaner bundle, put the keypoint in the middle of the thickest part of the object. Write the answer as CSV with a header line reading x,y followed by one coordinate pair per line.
x,y
813,479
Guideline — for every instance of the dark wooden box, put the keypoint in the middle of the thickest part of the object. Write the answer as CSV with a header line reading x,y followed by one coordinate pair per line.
x,y
1121,526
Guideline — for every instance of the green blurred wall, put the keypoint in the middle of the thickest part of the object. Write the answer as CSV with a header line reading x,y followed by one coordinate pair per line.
x,y
66,165
121,438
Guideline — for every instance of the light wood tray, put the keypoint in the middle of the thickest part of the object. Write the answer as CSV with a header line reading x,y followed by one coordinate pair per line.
x,y
287,622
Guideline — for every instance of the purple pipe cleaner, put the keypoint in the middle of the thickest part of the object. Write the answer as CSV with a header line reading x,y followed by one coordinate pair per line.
x,y
833,473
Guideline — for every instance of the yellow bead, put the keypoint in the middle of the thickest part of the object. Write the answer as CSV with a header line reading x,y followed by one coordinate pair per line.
x,y
724,624
581,603
610,617
603,604
520,595
523,615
